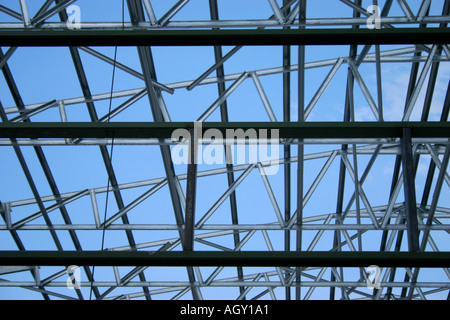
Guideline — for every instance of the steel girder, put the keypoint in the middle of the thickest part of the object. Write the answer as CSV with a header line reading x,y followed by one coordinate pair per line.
x,y
214,258
355,222
327,36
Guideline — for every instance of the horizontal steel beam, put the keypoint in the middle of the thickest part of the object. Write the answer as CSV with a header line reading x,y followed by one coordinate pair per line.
x,y
336,36
167,286
225,258
391,146
235,23
304,130
226,227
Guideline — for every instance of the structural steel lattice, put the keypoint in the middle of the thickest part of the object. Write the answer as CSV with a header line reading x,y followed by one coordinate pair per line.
x,y
362,172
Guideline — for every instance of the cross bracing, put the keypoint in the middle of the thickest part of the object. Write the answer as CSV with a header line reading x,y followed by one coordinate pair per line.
x,y
361,166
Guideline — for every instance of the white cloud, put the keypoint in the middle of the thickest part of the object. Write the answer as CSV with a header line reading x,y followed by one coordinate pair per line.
x,y
395,86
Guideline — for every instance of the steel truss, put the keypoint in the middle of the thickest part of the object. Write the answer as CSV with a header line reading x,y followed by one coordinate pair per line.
x,y
300,238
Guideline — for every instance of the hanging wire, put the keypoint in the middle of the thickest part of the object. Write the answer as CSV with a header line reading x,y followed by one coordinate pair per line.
x,y
111,152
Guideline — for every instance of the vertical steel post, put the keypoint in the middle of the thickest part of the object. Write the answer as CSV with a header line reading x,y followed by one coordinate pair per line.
x,y
220,73
410,191
191,186
301,151
287,147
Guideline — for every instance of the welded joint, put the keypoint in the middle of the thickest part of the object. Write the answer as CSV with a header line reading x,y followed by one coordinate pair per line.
x,y
446,48
151,14
225,195
413,99
223,96
263,96
271,195
6,56
40,19
423,10
355,7
364,88
293,14
25,13
406,10
437,162
323,86
172,11
278,14
117,275
5,211
361,192
29,113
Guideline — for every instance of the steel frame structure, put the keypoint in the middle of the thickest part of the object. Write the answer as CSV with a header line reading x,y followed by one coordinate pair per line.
x,y
303,252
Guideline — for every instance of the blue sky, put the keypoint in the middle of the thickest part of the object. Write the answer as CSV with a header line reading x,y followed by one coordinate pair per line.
x,y
44,74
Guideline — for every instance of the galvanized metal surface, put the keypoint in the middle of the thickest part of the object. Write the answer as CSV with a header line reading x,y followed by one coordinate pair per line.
x,y
384,141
